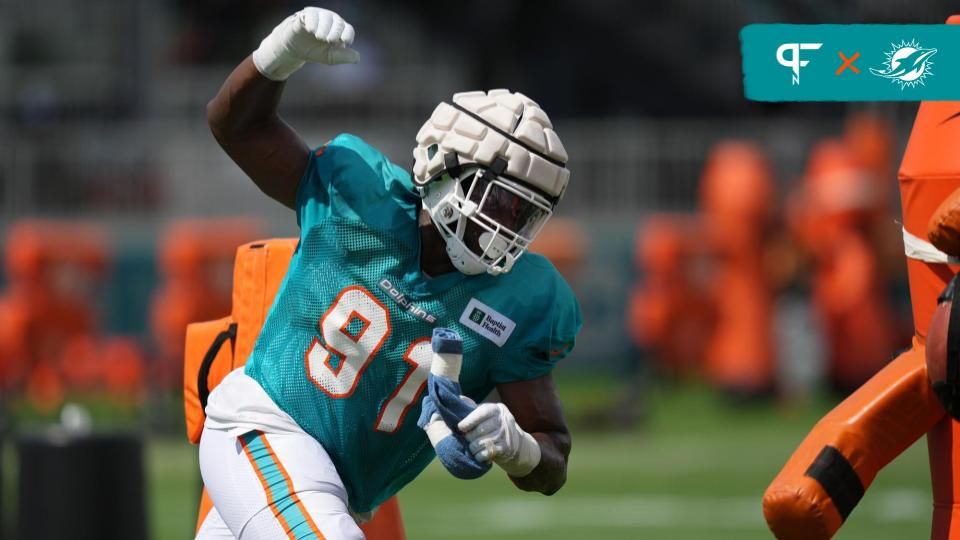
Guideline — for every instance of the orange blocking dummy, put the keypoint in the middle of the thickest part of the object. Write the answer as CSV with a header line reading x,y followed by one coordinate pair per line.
x,y
871,139
195,258
53,271
838,460
829,472
214,348
565,243
929,173
839,208
668,312
737,202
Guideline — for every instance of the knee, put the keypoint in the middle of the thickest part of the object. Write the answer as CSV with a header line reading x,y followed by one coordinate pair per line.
x,y
316,516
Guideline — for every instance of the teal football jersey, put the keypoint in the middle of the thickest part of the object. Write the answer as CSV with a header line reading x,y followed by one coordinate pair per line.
x,y
345,349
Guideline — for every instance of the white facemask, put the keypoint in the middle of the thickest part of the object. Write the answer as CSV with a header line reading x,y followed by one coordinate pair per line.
x,y
486,221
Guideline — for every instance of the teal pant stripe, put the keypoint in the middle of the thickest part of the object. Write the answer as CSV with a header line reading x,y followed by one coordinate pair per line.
x,y
278,485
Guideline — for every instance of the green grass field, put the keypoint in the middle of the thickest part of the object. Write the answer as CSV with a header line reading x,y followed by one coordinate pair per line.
x,y
694,469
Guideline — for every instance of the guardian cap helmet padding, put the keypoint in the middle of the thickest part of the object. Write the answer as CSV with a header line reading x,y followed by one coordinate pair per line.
x,y
490,170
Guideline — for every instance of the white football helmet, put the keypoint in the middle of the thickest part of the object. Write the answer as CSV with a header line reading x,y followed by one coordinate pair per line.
x,y
490,170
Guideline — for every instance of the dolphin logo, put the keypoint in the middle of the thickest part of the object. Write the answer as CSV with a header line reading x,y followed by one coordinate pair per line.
x,y
907,64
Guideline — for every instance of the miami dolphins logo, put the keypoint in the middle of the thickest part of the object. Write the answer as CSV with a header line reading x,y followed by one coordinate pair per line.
x,y
907,64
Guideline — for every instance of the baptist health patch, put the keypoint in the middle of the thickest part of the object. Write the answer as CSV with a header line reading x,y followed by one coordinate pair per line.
x,y
487,322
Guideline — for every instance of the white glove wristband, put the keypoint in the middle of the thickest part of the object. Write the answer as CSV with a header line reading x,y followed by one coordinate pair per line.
x,y
271,57
526,459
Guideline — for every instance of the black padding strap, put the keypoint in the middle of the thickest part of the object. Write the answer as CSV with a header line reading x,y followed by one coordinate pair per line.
x,y
838,479
948,390
451,164
498,166
510,137
944,393
203,387
953,336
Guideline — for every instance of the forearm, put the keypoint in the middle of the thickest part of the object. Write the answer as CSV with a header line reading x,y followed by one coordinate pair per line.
x,y
551,473
536,409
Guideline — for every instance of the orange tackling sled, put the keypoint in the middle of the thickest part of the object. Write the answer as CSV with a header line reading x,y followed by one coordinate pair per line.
x,y
838,460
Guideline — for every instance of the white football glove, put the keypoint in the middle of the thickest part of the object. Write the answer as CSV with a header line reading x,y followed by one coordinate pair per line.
x,y
495,436
309,35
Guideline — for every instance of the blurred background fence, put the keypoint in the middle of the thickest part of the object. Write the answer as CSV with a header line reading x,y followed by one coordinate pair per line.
x,y
135,177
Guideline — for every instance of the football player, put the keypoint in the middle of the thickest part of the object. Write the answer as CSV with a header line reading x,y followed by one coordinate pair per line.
x,y
319,428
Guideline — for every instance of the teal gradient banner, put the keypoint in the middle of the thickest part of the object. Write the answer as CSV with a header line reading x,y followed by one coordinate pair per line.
x,y
855,62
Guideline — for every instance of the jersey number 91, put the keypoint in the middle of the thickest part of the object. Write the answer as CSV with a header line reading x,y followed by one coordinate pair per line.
x,y
354,329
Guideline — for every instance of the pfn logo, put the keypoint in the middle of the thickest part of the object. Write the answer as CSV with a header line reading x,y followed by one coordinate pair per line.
x,y
794,62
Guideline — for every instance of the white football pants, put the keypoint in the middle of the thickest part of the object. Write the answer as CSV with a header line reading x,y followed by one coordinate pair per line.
x,y
267,486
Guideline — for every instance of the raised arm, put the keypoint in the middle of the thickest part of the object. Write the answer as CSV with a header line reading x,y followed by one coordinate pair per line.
x,y
243,118
243,115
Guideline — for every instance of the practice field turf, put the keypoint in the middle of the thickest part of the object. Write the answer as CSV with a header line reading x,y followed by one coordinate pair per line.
x,y
695,469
